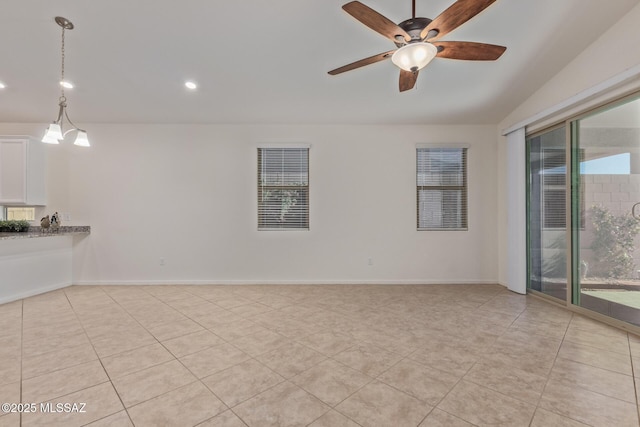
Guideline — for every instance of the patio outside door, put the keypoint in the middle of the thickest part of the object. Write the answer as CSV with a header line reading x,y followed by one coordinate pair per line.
x,y
606,213
547,213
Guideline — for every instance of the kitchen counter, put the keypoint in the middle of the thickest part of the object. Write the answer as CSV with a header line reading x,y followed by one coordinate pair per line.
x,y
65,230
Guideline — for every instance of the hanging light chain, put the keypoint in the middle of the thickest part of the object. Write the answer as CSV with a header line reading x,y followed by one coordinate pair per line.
x,y
62,97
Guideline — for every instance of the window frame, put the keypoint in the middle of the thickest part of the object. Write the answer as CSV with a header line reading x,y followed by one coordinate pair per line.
x,y
305,189
464,188
4,212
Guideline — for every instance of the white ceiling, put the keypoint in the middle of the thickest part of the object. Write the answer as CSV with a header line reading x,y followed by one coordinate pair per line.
x,y
262,61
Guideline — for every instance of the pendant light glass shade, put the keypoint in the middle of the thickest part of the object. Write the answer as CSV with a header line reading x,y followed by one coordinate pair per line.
x,y
414,56
53,134
81,139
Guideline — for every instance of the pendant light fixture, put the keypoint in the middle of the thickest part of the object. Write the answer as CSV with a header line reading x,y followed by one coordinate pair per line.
x,y
55,132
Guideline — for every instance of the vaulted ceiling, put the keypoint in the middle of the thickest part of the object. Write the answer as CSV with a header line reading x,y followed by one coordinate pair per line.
x,y
266,62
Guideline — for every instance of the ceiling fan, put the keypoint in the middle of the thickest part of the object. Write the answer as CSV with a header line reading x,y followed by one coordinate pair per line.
x,y
417,39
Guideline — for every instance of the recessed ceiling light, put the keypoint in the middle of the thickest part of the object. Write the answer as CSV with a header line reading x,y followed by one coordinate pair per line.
x,y
190,85
66,84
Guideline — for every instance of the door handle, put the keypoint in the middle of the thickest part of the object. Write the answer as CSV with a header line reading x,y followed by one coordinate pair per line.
x,y
633,211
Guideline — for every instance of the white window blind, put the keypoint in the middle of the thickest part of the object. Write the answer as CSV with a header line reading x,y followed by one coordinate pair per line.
x,y
554,199
283,188
554,174
442,188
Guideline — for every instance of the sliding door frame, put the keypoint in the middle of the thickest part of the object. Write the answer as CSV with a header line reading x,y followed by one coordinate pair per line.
x,y
572,203
540,132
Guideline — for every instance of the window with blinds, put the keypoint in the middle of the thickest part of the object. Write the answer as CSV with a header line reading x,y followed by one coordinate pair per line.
x,y
283,188
442,188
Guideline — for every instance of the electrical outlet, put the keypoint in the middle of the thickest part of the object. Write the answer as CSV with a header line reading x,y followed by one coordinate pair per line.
x,y
162,262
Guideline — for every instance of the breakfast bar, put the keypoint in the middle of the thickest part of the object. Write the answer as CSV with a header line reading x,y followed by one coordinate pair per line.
x,y
34,262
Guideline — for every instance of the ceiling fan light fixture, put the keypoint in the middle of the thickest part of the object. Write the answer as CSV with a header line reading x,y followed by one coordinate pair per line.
x,y
414,56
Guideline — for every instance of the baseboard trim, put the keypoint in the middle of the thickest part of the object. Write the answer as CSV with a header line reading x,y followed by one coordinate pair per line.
x,y
33,292
281,282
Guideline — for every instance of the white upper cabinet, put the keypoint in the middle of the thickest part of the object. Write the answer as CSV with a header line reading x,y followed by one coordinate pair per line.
x,y
22,171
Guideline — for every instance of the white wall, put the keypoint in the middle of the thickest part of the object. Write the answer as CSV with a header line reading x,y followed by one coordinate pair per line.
x,y
187,193
613,53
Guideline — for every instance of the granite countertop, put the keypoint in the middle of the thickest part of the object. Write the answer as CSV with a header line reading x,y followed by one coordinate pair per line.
x,y
64,230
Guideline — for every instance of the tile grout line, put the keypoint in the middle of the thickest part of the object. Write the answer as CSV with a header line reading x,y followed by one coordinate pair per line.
x,y
192,373
99,359
555,358
197,379
372,378
72,366
602,369
506,330
336,405
288,380
252,396
471,367
549,377
55,370
633,376
447,393
395,323
595,347
238,416
550,371
332,358
21,351
226,341
332,409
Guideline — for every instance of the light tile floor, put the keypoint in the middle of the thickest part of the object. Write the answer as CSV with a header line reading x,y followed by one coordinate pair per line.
x,y
454,355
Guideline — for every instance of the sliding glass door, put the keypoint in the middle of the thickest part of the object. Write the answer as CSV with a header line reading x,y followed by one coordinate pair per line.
x,y
583,198
547,154
606,209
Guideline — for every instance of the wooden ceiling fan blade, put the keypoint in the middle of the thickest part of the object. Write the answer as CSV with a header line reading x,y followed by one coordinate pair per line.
x,y
470,51
375,21
407,80
361,63
456,15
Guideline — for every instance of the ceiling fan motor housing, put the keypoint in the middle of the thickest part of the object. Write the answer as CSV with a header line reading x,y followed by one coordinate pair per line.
x,y
413,27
